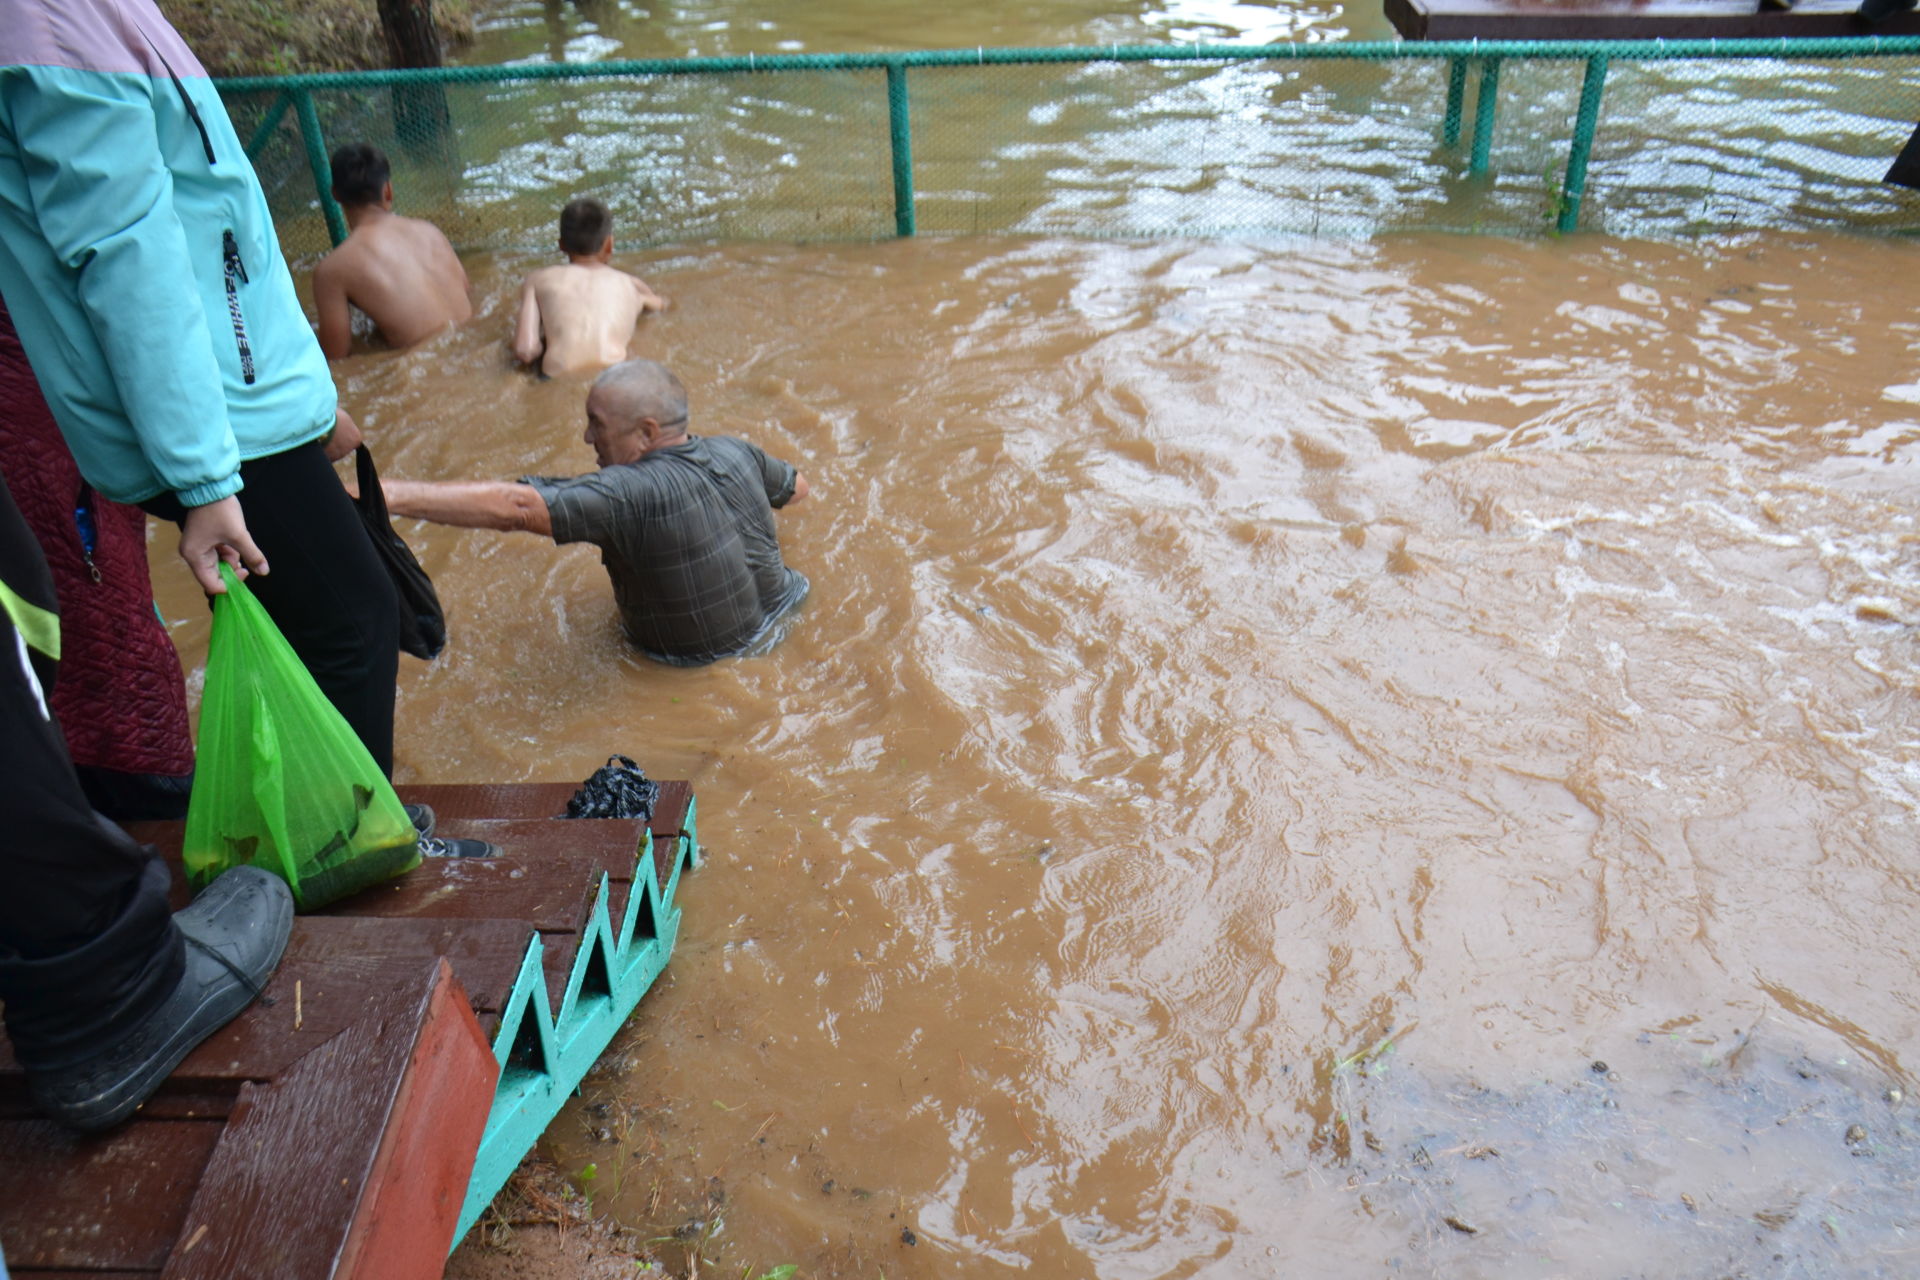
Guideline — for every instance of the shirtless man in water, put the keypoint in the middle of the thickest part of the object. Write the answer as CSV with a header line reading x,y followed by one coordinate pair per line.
x,y
400,271
580,314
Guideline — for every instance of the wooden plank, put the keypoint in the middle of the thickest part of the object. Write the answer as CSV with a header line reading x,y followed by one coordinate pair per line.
x,y
109,1203
492,800
83,1275
547,893
412,1203
347,968
1633,20
670,810
614,842
296,1184
178,1098
537,800
556,961
545,871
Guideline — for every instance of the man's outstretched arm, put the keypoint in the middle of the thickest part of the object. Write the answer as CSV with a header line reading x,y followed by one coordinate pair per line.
x,y
479,504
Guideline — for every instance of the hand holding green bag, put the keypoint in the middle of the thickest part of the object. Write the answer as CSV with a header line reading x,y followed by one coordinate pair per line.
x,y
282,782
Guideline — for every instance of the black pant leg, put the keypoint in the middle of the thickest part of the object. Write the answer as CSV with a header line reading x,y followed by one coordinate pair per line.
x,y
87,944
326,588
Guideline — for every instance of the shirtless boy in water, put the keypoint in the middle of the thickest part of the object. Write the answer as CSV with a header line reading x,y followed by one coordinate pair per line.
x,y
580,314
400,271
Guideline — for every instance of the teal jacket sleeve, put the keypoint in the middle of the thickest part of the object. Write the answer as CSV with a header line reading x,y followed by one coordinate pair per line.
x,y
103,198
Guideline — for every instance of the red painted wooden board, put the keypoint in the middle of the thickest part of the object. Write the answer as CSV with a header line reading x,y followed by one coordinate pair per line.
x,y
354,1162
1633,20
418,1187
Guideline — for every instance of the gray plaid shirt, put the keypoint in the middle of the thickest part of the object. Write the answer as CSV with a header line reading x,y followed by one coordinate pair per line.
x,y
687,536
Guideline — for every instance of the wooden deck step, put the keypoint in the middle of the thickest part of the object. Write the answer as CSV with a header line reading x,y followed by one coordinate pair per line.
x,y
301,1169
413,1043
355,1160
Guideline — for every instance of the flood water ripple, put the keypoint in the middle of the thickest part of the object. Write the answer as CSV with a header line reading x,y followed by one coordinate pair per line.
x,y
1301,758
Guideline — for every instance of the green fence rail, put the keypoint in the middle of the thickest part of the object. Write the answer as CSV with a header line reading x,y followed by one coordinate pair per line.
x,y
1120,140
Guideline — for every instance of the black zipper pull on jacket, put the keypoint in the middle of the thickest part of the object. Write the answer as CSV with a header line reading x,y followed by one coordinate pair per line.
x,y
230,255
236,272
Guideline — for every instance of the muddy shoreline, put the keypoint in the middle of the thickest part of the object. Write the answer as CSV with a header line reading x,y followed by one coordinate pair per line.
x,y
241,38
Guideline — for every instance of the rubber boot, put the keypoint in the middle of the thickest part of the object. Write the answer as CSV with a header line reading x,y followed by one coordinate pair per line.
x,y
235,932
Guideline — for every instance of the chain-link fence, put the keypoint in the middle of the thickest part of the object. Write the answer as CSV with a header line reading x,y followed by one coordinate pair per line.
x,y
1636,138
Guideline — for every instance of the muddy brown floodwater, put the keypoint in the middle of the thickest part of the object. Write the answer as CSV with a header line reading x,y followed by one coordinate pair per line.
x,y
1337,759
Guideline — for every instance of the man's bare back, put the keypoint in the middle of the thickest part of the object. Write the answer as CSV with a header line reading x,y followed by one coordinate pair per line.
x,y
579,315
400,271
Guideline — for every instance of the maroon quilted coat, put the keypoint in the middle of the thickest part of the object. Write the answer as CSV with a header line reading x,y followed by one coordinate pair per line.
x,y
118,697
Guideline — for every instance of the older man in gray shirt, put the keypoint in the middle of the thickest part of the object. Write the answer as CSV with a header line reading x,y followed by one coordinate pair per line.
x,y
684,523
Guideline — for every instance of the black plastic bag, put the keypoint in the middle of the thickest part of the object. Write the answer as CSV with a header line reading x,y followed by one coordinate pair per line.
x,y
423,627
617,789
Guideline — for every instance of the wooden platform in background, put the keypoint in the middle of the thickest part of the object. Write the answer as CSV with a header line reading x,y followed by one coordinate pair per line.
x,y
1634,20
331,1129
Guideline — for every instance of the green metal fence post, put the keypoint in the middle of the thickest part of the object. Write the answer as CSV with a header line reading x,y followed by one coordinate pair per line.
x,y
902,139
1584,127
1456,100
268,124
1484,103
318,162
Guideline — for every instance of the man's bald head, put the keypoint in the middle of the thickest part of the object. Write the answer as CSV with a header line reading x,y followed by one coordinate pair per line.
x,y
634,408
636,389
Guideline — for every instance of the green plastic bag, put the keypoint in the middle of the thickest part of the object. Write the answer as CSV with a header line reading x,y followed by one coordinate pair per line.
x,y
281,781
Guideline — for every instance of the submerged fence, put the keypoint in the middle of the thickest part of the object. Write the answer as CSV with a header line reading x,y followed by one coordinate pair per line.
x,y
1636,138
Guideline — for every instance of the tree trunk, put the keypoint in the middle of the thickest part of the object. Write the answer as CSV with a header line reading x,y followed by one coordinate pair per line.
x,y
412,40
420,117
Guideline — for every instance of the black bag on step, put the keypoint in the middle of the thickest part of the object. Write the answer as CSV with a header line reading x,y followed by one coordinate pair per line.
x,y
617,789
423,627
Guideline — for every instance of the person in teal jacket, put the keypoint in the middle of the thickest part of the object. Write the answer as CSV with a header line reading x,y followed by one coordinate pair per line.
x,y
139,261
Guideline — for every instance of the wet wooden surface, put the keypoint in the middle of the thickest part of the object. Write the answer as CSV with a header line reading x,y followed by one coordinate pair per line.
x,y
352,1133
1633,20
321,1132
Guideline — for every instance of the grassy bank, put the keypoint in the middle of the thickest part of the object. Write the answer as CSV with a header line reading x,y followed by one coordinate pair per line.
x,y
265,37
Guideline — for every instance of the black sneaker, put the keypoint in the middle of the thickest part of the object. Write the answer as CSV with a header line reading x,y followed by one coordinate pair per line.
x,y
445,847
421,815
235,932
